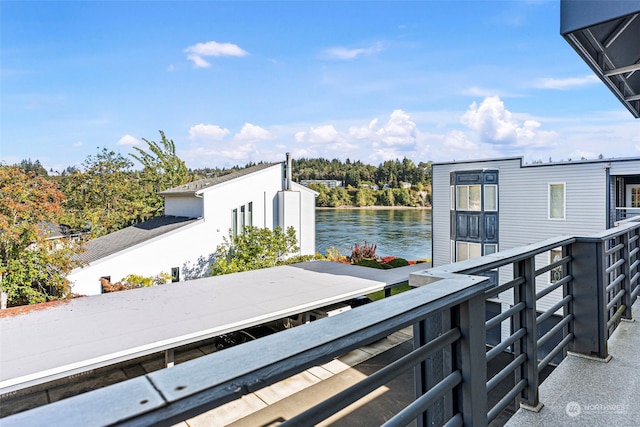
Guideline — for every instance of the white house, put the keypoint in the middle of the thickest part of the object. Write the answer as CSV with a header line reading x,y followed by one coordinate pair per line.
x,y
197,217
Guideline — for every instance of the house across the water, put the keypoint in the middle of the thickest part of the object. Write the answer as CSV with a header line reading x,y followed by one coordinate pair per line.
x,y
197,217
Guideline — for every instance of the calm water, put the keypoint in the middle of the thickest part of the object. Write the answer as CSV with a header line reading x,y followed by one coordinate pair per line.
x,y
404,233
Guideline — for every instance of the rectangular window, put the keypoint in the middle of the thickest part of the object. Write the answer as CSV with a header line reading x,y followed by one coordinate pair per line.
x,y
556,201
250,214
242,218
452,198
468,198
466,250
490,248
175,274
491,198
234,223
462,197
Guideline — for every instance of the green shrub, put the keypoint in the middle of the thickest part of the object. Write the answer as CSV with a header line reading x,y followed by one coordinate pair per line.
x,y
398,262
370,263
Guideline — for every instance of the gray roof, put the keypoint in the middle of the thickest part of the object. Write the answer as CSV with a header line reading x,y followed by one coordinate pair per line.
x,y
86,333
196,186
131,236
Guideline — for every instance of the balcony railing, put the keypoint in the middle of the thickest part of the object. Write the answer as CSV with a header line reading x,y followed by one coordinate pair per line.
x,y
627,212
595,282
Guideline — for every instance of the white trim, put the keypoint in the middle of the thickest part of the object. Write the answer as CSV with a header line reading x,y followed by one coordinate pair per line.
x,y
564,201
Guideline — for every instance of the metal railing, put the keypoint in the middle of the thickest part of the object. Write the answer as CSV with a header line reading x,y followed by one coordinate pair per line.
x,y
595,282
626,212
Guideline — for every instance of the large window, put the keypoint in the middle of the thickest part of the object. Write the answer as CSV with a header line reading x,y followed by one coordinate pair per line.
x,y
467,250
491,198
468,198
234,222
557,201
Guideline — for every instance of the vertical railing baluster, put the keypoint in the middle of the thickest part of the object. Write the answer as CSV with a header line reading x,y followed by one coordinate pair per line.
x,y
626,270
529,369
589,304
472,347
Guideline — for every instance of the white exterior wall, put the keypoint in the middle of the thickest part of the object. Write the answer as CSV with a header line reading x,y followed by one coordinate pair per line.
x,y
260,188
185,246
189,206
179,248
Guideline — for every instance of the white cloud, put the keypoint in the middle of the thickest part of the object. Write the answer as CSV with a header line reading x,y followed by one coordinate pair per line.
x,y
128,140
198,51
319,135
343,53
77,144
496,125
582,154
458,140
207,132
251,132
567,83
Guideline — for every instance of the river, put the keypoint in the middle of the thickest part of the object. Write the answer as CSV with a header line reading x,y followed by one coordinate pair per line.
x,y
405,233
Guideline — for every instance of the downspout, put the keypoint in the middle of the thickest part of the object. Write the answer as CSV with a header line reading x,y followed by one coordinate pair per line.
x,y
607,169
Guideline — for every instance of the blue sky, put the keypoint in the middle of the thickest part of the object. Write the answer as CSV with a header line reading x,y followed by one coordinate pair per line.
x,y
233,82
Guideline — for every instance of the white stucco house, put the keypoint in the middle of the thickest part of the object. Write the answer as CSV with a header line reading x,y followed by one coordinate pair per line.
x,y
197,217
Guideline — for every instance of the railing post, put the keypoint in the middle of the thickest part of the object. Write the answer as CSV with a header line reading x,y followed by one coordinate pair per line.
x,y
626,270
529,369
432,370
589,305
472,360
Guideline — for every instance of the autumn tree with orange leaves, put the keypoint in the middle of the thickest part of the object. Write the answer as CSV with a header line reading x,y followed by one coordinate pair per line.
x,y
31,270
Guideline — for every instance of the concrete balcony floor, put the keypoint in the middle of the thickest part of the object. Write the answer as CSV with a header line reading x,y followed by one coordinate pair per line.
x,y
587,392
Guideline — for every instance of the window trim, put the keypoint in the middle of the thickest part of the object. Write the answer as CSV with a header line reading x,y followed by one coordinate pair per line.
x,y
484,197
564,201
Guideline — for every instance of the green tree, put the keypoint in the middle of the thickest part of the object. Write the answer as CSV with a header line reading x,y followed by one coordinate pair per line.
x,y
365,197
35,167
386,198
254,248
106,196
162,169
31,269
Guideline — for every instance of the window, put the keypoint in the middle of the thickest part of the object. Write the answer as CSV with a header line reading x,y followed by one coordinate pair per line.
x,y
556,201
234,223
490,248
555,255
635,196
452,198
466,250
468,198
250,214
175,274
491,198
242,218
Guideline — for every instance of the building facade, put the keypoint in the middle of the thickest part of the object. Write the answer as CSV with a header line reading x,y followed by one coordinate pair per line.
x,y
197,217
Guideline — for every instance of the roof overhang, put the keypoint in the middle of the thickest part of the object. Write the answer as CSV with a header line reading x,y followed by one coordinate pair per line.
x,y
606,34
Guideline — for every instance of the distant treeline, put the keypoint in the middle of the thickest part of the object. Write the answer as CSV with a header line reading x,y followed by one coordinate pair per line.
x,y
392,183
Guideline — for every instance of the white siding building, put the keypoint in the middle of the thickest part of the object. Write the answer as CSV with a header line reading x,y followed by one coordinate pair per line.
x,y
481,207
197,217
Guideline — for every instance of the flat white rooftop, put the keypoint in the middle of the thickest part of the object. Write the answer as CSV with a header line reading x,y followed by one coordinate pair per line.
x,y
91,332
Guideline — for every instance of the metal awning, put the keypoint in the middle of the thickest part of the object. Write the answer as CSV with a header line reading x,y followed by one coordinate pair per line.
x,y
606,34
